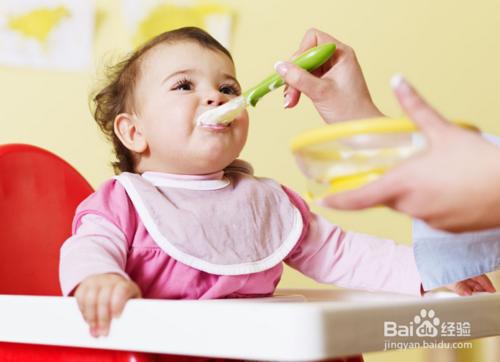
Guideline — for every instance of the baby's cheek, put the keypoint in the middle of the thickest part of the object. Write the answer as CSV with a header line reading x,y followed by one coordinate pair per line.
x,y
181,125
243,129
244,117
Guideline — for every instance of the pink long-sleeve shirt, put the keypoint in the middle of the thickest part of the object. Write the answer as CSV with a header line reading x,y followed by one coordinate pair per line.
x,y
110,237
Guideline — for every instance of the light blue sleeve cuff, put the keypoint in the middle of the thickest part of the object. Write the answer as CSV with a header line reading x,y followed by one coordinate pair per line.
x,y
443,258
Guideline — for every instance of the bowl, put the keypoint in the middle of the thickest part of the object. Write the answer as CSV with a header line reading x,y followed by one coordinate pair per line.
x,y
348,155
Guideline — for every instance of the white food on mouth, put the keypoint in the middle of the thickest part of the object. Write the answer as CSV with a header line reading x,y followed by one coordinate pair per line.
x,y
224,114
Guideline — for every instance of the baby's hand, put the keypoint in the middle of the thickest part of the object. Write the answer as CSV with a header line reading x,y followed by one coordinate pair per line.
x,y
102,297
476,284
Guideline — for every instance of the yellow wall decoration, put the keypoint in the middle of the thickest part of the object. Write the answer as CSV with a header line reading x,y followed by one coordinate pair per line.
x,y
49,34
168,16
38,23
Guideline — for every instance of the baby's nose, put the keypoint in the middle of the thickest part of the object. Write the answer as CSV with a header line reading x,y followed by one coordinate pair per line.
x,y
215,99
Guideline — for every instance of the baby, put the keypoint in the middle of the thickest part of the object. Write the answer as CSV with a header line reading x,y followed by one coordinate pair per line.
x,y
185,219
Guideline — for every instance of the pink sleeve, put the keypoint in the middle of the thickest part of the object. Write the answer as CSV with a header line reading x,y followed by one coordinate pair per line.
x,y
112,203
331,255
103,227
97,247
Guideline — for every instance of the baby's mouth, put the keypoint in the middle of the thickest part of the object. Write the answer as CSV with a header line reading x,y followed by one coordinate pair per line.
x,y
219,126
224,114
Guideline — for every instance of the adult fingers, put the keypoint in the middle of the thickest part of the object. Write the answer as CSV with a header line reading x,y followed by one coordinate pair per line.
x,y
485,283
302,81
462,289
313,37
291,97
425,117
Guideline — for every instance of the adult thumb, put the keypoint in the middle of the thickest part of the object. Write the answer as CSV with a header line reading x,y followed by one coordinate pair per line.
x,y
425,117
300,79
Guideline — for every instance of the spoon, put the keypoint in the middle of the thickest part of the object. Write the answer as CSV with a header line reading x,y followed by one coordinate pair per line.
x,y
226,113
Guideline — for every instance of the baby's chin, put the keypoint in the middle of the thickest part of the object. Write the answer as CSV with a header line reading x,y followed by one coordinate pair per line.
x,y
207,169
215,161
215,164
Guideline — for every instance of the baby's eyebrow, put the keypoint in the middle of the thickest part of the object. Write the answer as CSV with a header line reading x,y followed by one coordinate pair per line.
x,y
182,71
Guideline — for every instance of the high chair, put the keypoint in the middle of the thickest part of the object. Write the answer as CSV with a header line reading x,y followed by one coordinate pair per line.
x,y
38,195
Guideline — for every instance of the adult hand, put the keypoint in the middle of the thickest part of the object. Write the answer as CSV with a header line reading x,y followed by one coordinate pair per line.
x,y
453,184
337,89
466,287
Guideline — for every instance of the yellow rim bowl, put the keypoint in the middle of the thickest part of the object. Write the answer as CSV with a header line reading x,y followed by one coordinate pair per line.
x,y
308,145
363,126
346,183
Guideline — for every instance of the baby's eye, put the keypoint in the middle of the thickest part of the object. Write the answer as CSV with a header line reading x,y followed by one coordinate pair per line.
x,y
184,85
230,89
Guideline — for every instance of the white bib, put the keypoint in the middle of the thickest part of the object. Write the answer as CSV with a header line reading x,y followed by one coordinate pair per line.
x,y
237,225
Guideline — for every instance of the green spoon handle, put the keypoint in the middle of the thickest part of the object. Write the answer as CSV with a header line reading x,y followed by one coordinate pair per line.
x,y
309,60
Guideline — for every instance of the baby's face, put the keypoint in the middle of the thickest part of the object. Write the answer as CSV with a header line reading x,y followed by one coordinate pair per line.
x,y
176,83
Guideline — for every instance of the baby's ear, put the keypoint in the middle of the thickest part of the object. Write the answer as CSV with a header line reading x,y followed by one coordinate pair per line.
x,y
127,129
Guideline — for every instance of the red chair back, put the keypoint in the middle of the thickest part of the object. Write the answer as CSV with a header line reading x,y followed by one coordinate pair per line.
x,y
39,193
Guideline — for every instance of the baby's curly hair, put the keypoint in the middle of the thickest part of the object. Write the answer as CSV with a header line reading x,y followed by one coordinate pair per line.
x,y
117,95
